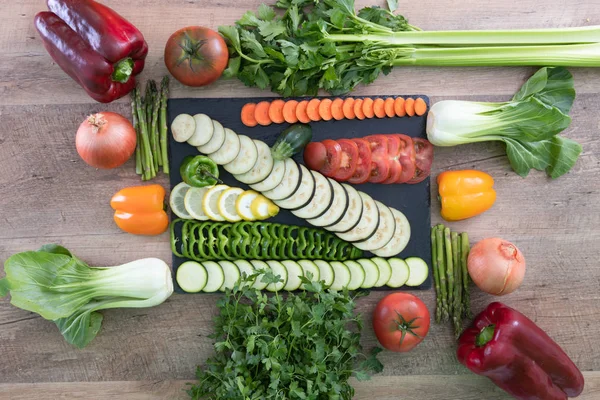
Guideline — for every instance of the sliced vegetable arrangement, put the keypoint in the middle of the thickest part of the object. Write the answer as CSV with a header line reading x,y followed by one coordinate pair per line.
x,y
324,109
390,158
364,273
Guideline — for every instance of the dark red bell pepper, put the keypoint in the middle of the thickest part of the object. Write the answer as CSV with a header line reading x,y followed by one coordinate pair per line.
x,y
518,356
94,45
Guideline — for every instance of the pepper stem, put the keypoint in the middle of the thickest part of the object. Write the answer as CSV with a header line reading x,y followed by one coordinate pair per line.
x,y
122,70
485,335
210,175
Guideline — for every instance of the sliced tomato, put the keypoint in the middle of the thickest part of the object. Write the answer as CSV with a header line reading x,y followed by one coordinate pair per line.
x,y
315,155
395,171
363,169
333,158
423,160
380,163
406,156
349,160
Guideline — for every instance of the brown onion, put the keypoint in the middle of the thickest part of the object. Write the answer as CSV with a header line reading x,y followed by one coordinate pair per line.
x,y
496,266
105,140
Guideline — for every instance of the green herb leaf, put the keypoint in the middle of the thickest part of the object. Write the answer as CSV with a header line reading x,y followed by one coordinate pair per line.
x,y
392,5
251,45
265,12
231,34
271,29
233,66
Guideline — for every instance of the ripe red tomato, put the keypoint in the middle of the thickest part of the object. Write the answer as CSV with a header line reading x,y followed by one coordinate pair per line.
x,y
363,169
423,160
349,160
196,56
406,156
315,155
401,321
333,158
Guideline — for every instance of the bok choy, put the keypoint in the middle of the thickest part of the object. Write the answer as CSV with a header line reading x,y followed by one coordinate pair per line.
x,y
528,124
60,287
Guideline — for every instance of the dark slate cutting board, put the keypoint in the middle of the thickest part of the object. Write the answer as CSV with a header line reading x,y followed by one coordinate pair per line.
x,y
413,200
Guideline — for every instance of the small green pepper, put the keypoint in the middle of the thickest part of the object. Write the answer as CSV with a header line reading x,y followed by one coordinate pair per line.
x,y
199,171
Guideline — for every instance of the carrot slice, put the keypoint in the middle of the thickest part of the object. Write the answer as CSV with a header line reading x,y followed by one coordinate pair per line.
x,y
276,111
348,108
379,108
358,108
399,107
337,111
301,112
325,109
313,110
367,107
289,111
247,115
261,113
420,107
409,107
389,107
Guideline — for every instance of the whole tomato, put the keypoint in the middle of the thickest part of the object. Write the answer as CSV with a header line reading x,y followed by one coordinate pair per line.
x,y
196,56
401,321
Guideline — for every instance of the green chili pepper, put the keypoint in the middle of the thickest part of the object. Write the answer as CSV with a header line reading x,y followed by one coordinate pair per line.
x,y
199,171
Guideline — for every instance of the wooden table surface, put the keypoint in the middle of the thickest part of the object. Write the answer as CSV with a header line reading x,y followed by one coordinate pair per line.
x,y
48,195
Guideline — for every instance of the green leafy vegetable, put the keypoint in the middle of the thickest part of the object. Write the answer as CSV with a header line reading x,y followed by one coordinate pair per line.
x,y
60,287
303,346
326,44
529,124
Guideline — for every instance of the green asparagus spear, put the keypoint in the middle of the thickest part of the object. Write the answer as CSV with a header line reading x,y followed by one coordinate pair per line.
x,y
436,277
449,269
164,89
147,153
465,248
136,126
439,238
156,144
456,314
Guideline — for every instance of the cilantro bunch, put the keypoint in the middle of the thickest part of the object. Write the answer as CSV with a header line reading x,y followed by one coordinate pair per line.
x,y
302,346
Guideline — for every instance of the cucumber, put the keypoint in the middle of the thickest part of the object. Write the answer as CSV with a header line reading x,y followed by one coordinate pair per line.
x,y
357,274
278,269
418,271
294,272
204,130
320,201
229,150
385,271
245,159
335,211
309,266
245,268
341,277
274,178
353,212
258,266
400,238
384,232
191,277
232,275
291,141
289,184
400,272
326,273
216,141
303,194
371,273
216,277
261,169
368,223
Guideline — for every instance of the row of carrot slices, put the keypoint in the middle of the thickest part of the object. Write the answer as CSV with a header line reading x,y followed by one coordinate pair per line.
x,y
291,111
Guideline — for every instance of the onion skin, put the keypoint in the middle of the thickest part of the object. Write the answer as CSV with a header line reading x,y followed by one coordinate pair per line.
x,y
105,140
496,266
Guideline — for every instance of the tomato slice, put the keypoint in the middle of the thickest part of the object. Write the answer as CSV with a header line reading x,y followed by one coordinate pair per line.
x,y
394,146
380,163
315,155
406,157
349,160
423,160
363,169
333,159
395,172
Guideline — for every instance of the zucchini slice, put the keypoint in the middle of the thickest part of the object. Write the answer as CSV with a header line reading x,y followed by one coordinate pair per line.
x,y
309,266
326,273
357,274
245,268
183,127
232,275
371,273
278,269
336,209
341,276
384,232
289,184
418,271
191,277
259,266
245,159
303,194
262,168
352,214
320,201
368,224
294,272
400,238
229,150
385,271
216,141
203,132
400,272
216,277
274,178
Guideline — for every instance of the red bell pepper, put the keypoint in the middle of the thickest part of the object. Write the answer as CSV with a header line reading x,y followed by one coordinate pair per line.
x,y
518,356
94,45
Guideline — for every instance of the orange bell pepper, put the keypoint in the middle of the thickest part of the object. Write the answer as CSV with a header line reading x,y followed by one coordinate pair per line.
x,y
465,194
140,210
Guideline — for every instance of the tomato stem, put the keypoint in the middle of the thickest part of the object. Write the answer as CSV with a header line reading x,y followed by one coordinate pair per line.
x,y
406,327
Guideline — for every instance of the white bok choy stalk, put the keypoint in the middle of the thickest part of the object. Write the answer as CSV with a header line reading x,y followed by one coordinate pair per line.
x,y
528,124
60,287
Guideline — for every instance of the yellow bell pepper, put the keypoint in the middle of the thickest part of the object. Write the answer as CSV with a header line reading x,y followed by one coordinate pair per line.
x,y
465,194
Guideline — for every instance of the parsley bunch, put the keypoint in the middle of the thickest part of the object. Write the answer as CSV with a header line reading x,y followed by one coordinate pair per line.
x,y
302,346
